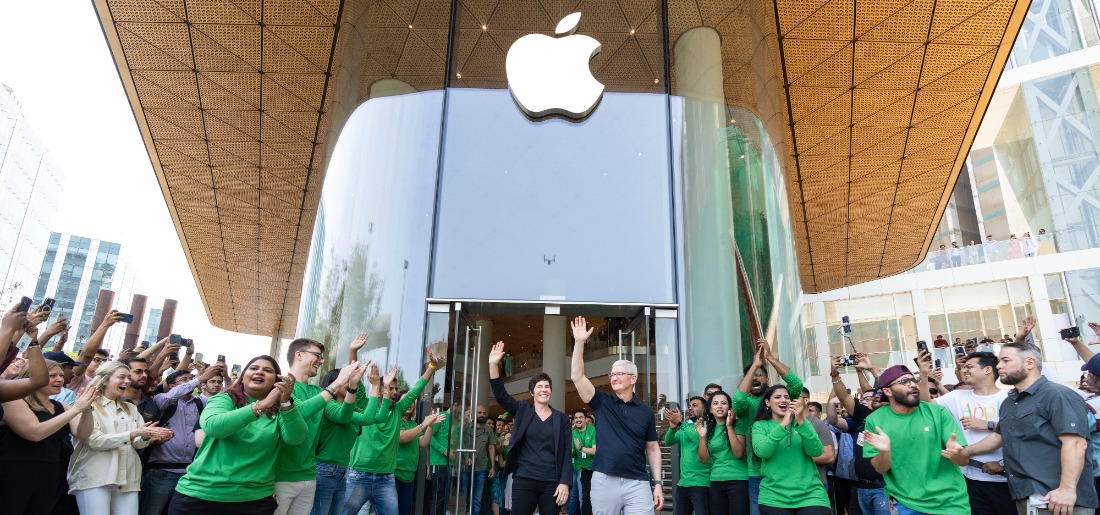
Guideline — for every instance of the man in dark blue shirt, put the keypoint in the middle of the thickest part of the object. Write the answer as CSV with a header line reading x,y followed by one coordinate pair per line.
x,y
626,437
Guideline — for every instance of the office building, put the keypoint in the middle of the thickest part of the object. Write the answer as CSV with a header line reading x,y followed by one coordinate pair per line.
x,y
31,185
152,325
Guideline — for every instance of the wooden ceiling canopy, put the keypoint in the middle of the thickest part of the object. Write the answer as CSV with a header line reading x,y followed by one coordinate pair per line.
x,y
871,105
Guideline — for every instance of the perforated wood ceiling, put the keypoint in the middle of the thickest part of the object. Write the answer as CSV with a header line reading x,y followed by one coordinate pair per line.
x,y
872,106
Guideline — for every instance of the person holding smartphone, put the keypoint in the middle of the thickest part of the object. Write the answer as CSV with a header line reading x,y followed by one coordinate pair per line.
x,y
234,469
541,450
105,469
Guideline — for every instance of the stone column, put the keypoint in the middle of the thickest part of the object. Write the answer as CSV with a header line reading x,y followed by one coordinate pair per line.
x,y
554,360
167,318
133,329
102,307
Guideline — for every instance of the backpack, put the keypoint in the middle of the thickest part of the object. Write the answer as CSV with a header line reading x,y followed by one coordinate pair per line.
x,y
170,411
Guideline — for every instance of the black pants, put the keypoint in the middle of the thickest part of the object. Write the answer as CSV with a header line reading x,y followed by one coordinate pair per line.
x,y
729,497
528,494
808,510
586,491
840,495
28,486
441,486
989,498
187,505
691,499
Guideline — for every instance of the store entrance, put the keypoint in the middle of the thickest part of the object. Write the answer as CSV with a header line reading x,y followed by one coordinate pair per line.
x,y
537,339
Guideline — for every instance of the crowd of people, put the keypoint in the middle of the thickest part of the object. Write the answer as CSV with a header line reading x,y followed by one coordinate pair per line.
x,y
991,250
156,431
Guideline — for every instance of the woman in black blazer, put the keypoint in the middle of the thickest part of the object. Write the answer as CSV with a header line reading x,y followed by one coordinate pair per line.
x,y
540,436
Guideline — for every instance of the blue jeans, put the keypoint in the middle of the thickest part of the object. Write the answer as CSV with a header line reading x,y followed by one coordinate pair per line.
x,y
902,510
479,489
873,501
331,484
573,505
379,489
157,487
405,497
754,495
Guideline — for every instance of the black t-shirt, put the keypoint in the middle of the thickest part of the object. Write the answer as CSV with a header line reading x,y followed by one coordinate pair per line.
x,y
537,455
622,430
13,448
864,470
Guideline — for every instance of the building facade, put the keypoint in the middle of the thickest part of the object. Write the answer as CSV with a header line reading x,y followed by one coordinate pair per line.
x,y
31,184
152,325
1021,235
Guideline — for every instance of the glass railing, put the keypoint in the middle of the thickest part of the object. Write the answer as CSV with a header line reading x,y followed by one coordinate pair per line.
x,y
988,252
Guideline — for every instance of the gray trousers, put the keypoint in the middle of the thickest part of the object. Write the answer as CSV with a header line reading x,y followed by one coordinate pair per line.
x,y
1021,508
614,495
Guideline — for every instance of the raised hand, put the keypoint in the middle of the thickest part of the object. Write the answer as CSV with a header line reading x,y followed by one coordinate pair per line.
x,y
863,362
758,356
359,371
359,342
799,410
437,362
388,379
286,388
113,316
878,440
496,354
1025,328
14,320
373,377
1095,329
791,406
924,363
673,416
701,428
937,374
86,399
835,364
345,374
581,331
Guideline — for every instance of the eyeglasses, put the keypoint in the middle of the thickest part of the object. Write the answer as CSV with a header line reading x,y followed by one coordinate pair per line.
x,y
619,374
906,381
318,354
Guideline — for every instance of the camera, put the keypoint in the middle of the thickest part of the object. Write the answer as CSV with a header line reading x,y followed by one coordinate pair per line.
x,y
1070,332
848,361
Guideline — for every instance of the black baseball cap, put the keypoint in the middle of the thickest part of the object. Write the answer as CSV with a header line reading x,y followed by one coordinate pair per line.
x,y
61,358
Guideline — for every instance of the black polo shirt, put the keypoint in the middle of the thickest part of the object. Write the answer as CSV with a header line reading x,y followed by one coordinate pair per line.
x,y
622,430
1031,422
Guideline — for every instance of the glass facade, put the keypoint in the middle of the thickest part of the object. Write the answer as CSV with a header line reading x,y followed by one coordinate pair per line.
x,y
73,272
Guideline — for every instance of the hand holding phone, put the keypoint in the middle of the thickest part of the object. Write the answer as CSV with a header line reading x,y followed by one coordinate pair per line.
x,y
175,339
24,305
125,318
1070,332
221,359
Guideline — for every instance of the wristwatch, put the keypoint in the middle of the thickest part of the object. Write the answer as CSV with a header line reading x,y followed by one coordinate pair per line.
x,y
990,425
656,482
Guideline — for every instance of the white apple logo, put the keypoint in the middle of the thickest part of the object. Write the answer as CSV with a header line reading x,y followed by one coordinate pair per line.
x,y
550,75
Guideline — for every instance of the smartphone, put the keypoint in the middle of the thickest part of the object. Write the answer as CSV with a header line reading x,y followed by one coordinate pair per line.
x,y
126,318
187,342
221,359
939,363
175,339
922,345
674,406
1070,332
47,305
959,351
24,305
236,369
63,320
198,357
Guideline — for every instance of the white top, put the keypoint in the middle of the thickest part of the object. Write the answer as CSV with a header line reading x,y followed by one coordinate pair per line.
x,y
108,456
966,403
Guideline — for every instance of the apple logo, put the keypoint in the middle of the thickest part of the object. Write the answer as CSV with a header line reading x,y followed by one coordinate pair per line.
x,y
550,75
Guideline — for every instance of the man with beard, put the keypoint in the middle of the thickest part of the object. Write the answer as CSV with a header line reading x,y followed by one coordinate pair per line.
x,y
746,400
692,493
1046,427
868,482
584,449
976,410
922,470
135,393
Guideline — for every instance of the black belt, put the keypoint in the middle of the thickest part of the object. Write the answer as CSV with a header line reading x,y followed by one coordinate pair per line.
x,y
158,465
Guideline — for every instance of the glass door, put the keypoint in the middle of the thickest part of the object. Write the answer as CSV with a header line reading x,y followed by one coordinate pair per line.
x,y
467,370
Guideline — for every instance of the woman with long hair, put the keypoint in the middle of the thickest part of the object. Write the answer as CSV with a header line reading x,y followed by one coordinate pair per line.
x,y
33,434
234,468
105,470
724,449
785,444
541,451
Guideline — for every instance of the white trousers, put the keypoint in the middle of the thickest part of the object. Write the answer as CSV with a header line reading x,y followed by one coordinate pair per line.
x,y
107,500
295,497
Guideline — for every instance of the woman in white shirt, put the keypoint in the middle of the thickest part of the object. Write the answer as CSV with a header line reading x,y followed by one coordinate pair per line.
x,y
105,470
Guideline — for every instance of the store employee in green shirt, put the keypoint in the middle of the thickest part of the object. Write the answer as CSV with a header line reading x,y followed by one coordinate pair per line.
x,y
374,456
234,469
692,493
584,449
296,467
746,401
438,440
784,445
408,456
916,470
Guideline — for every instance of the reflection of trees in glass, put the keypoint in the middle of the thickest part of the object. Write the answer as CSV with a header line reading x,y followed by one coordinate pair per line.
x,y
361,301
326,323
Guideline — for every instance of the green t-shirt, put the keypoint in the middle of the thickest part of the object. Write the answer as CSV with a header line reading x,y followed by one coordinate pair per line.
x,y
788,474
724,466
375,450
439,447
337,434
919,477
299,463
745,406
408,455
588,439
692,471
236,436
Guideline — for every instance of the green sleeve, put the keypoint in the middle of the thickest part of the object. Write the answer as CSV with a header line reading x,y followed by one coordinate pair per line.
x,y
411,396
670,436
766,438
811,443
311,406
292,428
339,412
741,403
440,437
794,383
221,419
373,413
